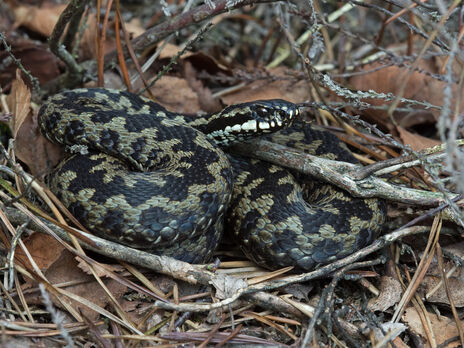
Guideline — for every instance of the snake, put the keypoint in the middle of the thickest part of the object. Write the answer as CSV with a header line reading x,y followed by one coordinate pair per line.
x,y
167,183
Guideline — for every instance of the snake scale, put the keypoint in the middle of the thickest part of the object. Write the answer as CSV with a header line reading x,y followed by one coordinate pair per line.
x,y
163,182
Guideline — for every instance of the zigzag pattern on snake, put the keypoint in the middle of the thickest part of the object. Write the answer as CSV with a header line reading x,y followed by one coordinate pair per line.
x,y
160,181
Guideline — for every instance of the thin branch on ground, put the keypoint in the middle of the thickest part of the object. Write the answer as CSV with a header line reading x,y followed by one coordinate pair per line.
x,y
325,303
17,62
75,71
73,26
176,57
197,15
338,173
233,287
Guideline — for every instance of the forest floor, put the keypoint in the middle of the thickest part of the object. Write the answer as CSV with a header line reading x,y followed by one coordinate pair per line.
x,y
386,77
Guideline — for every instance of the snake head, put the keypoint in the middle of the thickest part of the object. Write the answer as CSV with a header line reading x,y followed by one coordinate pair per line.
x,y
244,121
269,115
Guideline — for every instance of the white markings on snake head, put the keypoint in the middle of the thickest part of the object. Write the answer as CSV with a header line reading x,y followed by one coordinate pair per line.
x,y
237,128
249,126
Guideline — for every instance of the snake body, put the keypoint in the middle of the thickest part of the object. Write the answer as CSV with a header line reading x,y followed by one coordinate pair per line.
x,y
160,181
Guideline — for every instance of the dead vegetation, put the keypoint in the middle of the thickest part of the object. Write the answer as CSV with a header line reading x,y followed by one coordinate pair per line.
x,y
385,76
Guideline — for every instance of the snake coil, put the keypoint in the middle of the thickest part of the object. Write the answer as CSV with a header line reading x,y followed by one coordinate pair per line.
x,y
160,181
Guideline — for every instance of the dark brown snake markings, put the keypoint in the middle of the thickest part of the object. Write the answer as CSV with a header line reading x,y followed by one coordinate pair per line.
x,y
142,176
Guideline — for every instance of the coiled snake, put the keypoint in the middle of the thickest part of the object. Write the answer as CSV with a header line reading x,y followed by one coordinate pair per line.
x,y
155,180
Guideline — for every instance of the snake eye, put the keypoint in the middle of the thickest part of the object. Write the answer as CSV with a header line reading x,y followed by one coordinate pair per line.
x,y
263,111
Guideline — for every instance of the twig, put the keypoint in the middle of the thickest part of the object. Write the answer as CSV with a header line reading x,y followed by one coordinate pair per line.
x,y
73,26
233,287
33,79
337,173
430,213
75,71
101,44
239,340
325,303
175,58
229,337
405,78
453,212
398,163
57,318
154,35
11,252
410,27
444,278
421,268
212,332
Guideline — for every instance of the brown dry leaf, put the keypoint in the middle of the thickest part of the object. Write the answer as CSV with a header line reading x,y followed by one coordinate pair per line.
x,y
44,249
30,146
101,272
416,141
417,118
390,294
175,95
88,49
205,97
456,249
87,46
19,102
40,20
40,62
418,87
263,89
199,60
134,27
64,270
391,329
455,280
111,79
456,286
137,310
170,50
443,327
198,96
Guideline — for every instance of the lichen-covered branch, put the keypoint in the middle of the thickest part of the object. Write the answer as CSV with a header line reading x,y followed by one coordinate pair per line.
x,y
338,173
197,15
75,71
232,288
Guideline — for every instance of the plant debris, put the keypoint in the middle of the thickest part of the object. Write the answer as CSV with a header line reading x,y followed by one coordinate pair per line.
x,y
385,77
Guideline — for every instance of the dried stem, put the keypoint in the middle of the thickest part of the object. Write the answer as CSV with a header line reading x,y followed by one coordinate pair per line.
x,y
197,15
34,80
338,173
233,288
75,71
